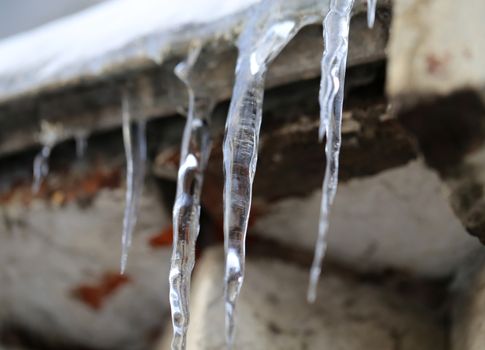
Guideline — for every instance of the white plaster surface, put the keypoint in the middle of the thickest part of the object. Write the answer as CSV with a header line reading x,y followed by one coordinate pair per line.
x,y
399,218
273,312
47,251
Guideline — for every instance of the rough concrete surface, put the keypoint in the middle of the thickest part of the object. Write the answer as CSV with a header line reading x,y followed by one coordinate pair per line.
x,y
467,320
273,312
399,218
60,272
434,47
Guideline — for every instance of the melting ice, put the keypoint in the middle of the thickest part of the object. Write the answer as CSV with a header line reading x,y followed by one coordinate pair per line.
x,y
81,144
371,12
134,140
194,154
49,135
270,26
336,40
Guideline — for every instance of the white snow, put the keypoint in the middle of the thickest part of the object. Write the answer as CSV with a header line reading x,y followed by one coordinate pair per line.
x,y
75,46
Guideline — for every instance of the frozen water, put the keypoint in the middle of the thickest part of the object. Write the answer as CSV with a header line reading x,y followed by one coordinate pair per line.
x,y
271,25
371,12
41,167
134,140
194,154
334,60
49,135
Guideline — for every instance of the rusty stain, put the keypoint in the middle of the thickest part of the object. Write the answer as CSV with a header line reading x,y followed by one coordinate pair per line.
x,y
174,158
168,158
436,64
162,239
95,295
58,198
166,163
92,184
70,189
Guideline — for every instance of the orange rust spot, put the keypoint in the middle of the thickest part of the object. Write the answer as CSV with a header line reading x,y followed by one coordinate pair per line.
x,y
92,183
162,239
436,64
58,198
95,295
174,158
169,158
70,188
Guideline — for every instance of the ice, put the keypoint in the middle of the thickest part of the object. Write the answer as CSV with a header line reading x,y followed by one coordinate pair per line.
x,y
134,140
371,12
271,25
49,135
336,35
194,154
81,144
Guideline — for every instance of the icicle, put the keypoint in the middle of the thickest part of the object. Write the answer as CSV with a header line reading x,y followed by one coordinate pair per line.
x,y
41,167
194,154
48,137
81,144
336,33
272,25
134,140
371,12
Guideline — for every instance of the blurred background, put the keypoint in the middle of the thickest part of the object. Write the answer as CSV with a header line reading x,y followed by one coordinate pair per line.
x,y
21,15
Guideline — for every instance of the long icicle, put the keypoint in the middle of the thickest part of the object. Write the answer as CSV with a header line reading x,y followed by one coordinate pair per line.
x,y
271,26
336,36
371,12
194,155
135,150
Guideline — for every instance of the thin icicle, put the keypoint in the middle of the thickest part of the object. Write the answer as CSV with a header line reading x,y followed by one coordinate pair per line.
x,y
336,35
48,137
194,154
272,25
134,140
41,167
371,12
81,144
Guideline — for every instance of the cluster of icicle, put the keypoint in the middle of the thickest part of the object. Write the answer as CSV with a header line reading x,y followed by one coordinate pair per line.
x,y
269,28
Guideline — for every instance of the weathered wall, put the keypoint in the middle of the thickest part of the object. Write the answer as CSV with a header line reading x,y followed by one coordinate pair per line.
x,y
411,190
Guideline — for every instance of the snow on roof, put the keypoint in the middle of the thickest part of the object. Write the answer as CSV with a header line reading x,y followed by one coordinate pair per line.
x,y
85,43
